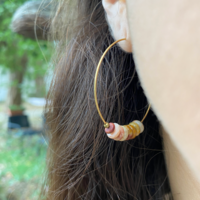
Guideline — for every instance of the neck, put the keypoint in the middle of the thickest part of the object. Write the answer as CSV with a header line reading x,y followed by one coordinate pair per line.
x,y
184,184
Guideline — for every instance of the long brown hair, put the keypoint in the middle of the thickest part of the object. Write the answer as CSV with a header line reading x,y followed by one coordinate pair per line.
x,y
82,162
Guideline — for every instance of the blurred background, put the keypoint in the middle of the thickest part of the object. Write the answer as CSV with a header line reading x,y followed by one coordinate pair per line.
x,y
24,82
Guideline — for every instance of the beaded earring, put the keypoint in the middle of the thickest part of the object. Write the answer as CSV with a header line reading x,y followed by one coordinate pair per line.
x,y
114,130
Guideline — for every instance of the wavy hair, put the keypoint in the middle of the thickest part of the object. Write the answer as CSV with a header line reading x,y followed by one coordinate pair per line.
x,y
82,162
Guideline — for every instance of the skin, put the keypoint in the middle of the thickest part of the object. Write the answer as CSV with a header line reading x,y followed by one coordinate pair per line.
x,y
119,26
164,38
183,182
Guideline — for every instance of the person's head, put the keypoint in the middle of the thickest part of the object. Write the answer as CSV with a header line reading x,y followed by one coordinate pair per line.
x,y
82,162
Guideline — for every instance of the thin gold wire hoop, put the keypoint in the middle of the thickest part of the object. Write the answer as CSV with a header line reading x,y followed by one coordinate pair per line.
x,y
106,124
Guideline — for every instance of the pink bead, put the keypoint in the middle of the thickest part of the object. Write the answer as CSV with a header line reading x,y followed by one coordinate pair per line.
x,y
115,133
129,137
110,129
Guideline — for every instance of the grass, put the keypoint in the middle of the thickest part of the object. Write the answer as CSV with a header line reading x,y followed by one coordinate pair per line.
x,y
22,166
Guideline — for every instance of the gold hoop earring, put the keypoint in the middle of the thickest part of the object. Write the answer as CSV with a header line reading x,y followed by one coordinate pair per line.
x,y
114,130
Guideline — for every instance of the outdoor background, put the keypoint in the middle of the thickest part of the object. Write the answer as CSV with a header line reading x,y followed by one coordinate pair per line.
x,y
24,82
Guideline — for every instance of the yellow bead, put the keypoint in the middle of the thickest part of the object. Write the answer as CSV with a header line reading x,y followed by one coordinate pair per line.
x,y
140,125
133,131
136,126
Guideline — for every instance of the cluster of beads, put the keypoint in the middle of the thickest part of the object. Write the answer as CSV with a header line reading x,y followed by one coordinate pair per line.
x,y
127,132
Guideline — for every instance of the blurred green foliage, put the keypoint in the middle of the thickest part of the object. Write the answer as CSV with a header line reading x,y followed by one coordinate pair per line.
x,y
15,107
22,164
13,46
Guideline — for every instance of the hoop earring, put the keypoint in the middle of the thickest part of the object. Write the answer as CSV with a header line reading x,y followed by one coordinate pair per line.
x,y
114,130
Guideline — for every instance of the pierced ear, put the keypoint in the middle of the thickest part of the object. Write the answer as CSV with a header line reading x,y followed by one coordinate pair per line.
x,y
116,14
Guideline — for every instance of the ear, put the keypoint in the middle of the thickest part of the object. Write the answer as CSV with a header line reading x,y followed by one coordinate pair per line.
x,y
116,14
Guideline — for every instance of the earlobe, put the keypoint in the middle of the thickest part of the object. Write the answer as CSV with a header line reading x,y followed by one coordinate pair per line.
x,y
116,14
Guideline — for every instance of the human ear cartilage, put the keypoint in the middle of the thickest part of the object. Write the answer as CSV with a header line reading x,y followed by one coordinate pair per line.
x,y
114,130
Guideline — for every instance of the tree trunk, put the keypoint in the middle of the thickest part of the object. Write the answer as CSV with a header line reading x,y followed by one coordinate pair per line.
x,y
16,79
